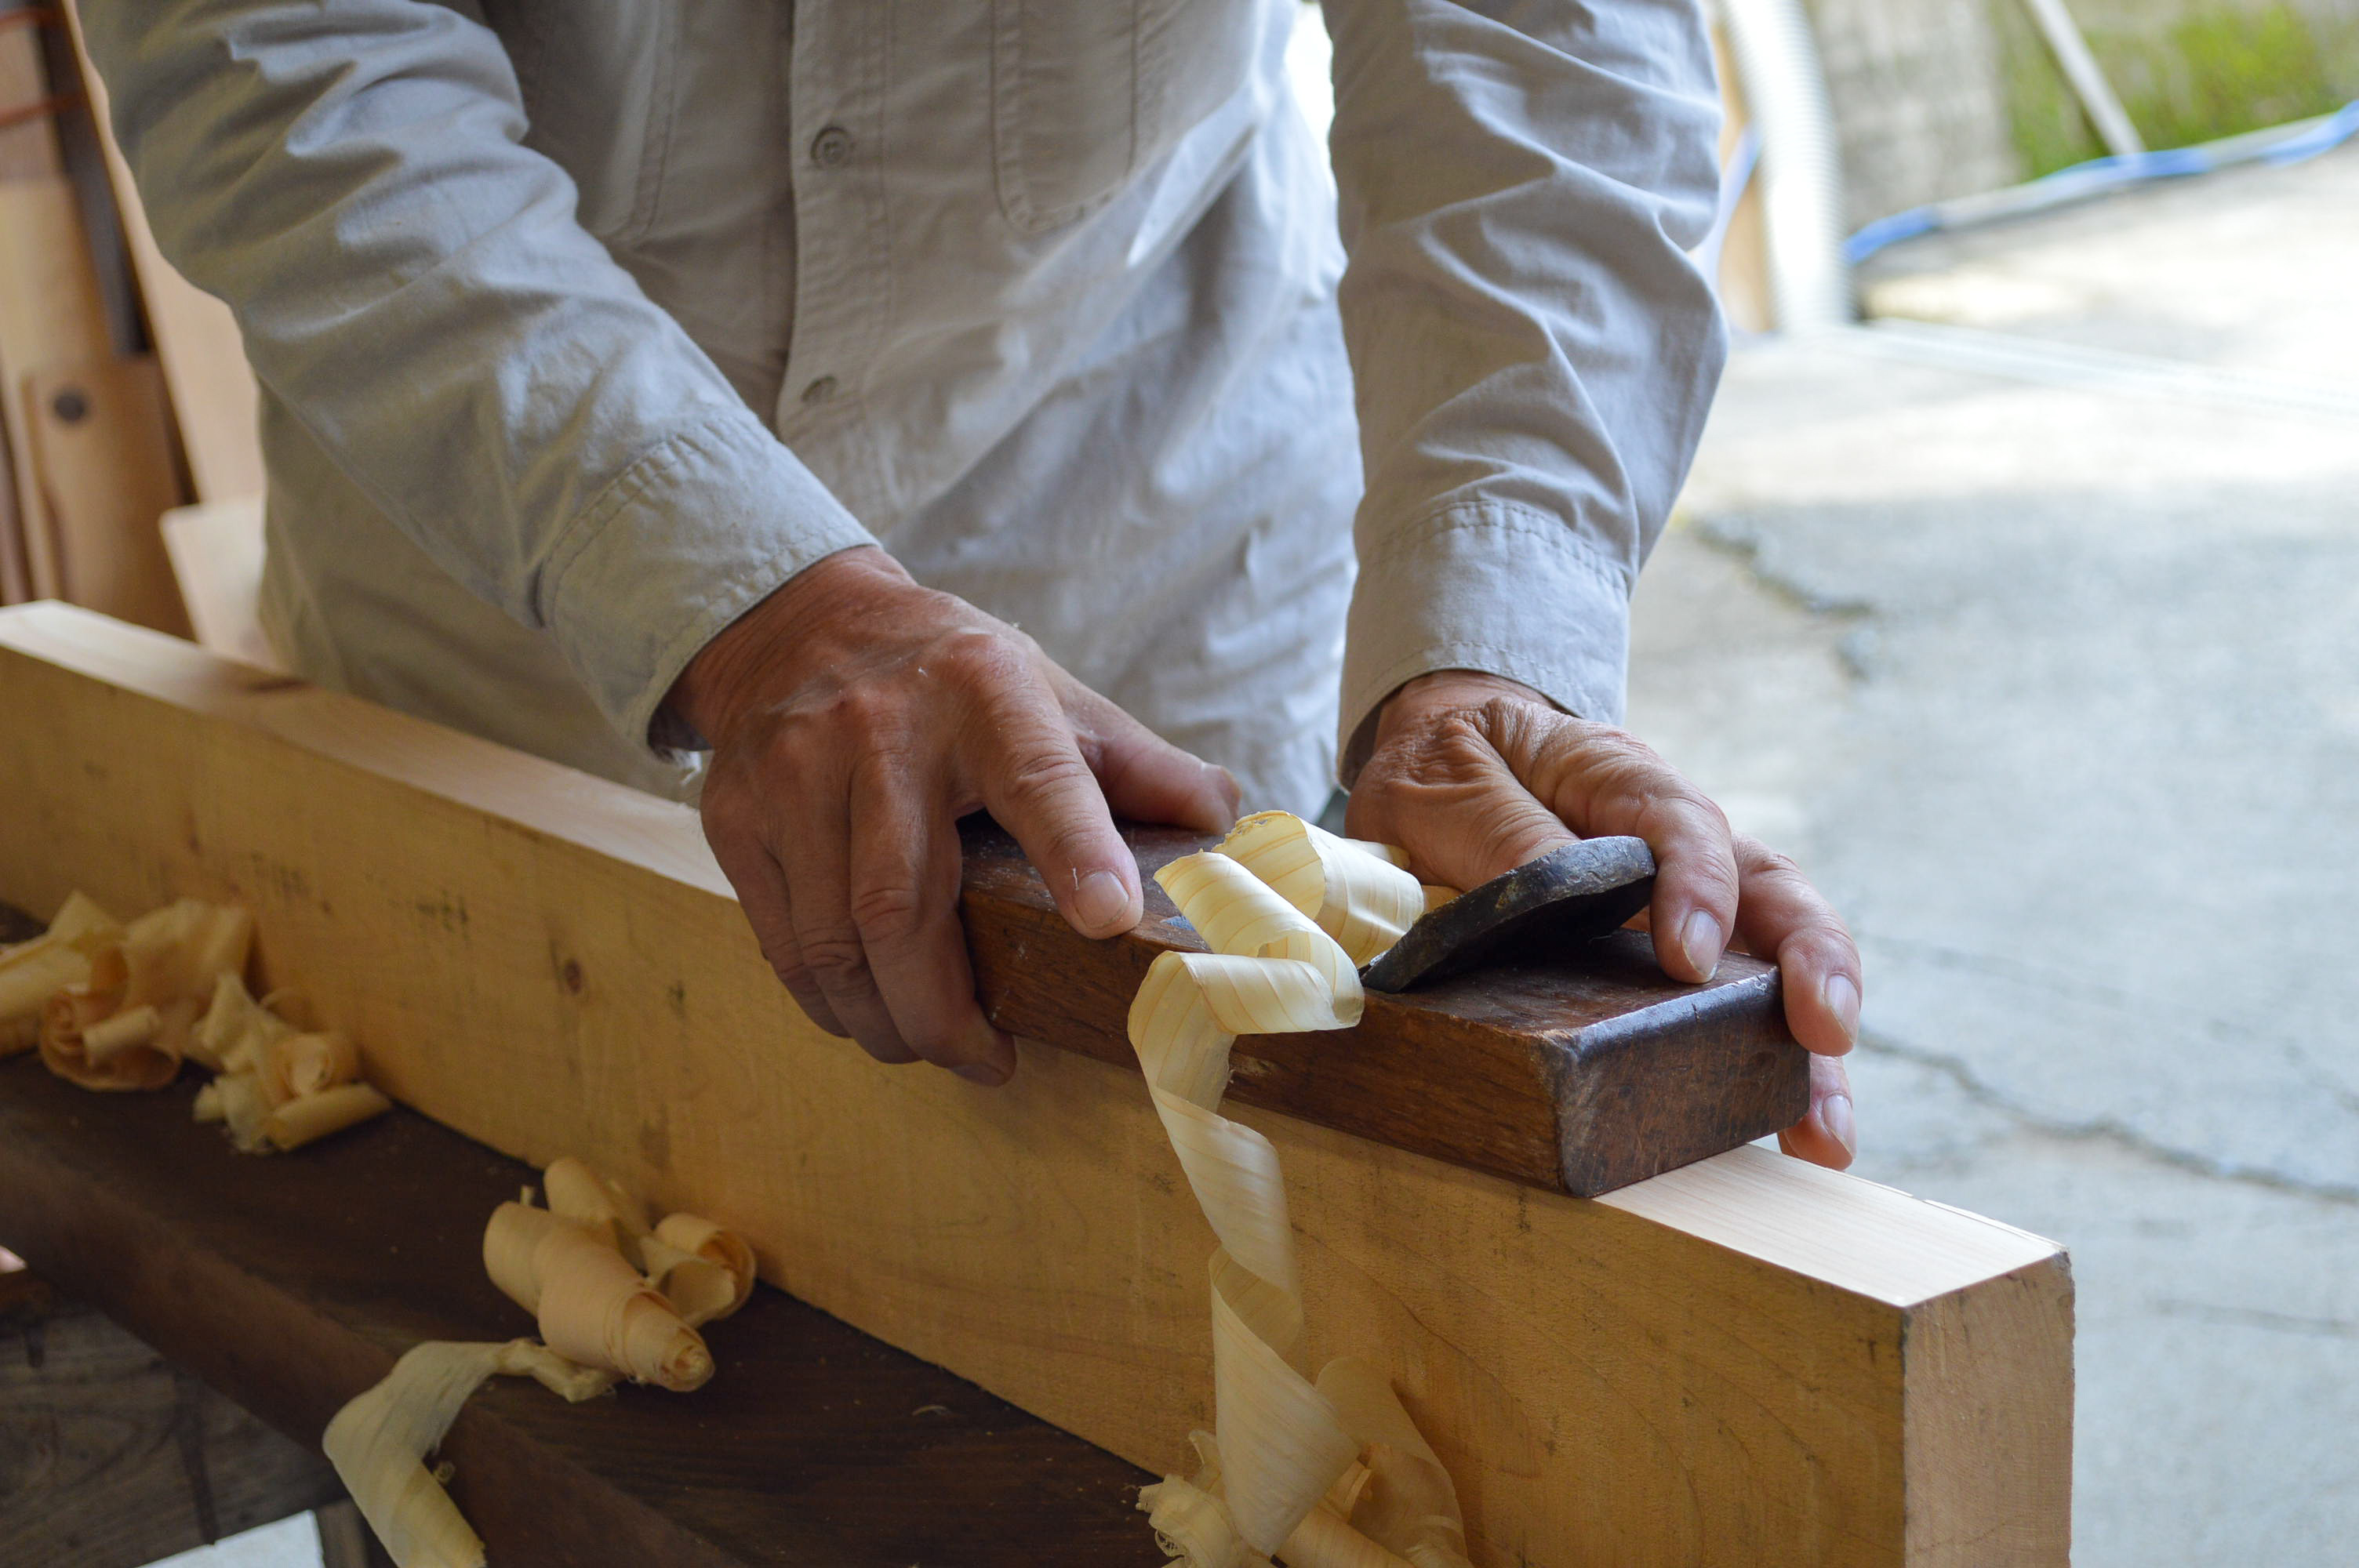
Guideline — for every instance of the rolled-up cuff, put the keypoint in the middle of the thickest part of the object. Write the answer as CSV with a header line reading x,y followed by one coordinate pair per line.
x,y
688,538
1489,587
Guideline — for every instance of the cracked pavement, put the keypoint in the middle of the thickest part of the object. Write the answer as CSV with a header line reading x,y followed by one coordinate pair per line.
x,y
2054,688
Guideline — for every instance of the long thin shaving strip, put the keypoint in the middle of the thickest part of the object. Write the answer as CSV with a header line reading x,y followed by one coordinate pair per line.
x,y
1289,912
379,1441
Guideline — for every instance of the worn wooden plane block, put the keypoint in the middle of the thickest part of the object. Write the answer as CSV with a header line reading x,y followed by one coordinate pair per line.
x,y
1744,1359
1582,1075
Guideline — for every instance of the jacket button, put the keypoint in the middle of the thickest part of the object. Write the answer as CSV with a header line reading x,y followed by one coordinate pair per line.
x,y
821,390
830,147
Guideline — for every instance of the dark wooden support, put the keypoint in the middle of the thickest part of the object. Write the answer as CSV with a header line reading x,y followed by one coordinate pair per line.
x,y
112,1457
291,1283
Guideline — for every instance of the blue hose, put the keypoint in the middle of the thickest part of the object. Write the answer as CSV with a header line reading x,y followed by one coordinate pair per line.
x,y
2278,144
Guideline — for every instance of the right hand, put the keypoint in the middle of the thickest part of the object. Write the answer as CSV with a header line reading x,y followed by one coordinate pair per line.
x,y
854,717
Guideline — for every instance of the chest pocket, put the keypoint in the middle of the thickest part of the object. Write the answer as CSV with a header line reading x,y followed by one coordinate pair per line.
x,y
1086,93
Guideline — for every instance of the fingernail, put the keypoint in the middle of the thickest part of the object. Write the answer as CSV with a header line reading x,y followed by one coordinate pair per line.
x,y
1834,1115
1101,901
982,1073
1841,997
1699,943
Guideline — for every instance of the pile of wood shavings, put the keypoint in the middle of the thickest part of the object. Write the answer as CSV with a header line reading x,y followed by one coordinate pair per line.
x,y
615,1297
118,1006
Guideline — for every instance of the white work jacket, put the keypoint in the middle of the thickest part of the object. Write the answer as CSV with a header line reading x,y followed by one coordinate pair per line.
x,y
583,324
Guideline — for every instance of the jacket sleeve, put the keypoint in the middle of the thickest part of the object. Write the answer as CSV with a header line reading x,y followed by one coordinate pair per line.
x,y
1533,351
413,285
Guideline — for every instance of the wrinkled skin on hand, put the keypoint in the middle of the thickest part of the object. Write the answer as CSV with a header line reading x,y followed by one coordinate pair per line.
x,y
1474,774
854,717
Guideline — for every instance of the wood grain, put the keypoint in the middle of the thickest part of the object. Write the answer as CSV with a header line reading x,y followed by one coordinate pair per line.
x,y
111,1457
1726,1363
291,1284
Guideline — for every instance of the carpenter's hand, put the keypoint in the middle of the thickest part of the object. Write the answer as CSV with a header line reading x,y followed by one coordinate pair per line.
x,y
854,717
1474,774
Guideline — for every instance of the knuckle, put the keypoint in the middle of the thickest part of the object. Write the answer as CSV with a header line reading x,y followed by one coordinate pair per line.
x,y
981,658
1039,778
835,959
888,910
867,709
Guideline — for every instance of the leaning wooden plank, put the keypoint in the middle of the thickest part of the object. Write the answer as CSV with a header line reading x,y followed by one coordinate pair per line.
x,y
50,315
28,150
291,1285
111,1457
213,392
216,548
1747,1360
102,459
29,134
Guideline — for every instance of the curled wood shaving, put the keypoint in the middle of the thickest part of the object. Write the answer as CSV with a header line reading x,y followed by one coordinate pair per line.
x,y
591,1304
1313,1472
580,1192
296,1066
706,1270
312,1117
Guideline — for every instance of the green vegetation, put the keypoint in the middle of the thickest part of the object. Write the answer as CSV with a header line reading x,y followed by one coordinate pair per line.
x,y
2186,73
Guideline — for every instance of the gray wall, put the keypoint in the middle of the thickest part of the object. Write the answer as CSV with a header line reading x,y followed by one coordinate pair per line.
x,y
1938,98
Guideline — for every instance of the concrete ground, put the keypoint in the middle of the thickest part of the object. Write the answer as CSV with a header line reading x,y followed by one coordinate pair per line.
x,y
2047,670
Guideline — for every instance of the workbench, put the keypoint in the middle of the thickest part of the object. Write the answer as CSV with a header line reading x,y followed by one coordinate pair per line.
x,y
1634,1338
290,1285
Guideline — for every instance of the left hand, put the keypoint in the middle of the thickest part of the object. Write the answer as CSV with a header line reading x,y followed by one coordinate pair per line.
x,y
1474,774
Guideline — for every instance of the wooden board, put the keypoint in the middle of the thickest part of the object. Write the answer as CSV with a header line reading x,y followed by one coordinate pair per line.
x,y
50,315
111,1457
29,148
101,460
291,1284
214,397
217,550
1748,1359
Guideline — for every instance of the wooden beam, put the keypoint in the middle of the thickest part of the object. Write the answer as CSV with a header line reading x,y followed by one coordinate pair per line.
x,y
111,1457
1747,1358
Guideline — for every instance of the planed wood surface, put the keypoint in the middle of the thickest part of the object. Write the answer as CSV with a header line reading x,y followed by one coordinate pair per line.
x,y
1744,1361
291,1284
110,1457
